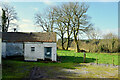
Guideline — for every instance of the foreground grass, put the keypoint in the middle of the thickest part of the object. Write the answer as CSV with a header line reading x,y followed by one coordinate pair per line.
x,y
18,68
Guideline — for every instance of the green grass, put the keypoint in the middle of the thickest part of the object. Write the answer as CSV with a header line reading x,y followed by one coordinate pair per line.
x,y
73,57
18,68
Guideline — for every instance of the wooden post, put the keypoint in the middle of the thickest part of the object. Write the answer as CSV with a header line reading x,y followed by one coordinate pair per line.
x,y
96,60
113,61
84,58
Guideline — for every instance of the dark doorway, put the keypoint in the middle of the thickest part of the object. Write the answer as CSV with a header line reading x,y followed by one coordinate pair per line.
x,y
48,52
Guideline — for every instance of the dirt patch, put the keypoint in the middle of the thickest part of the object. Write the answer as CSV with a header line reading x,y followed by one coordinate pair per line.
x,y
46,72
93,70
80,71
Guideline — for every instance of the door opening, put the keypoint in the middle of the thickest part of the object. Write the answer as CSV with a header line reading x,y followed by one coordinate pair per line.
x,y
48,52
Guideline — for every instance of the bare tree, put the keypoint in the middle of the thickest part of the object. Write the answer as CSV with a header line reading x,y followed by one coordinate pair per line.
x,y
60,27
75,20
94,34
109,36
10,15
66,20
63,14
60,30
45,21
80,21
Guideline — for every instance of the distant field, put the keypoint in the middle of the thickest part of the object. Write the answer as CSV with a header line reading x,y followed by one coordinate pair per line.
x,y
72,56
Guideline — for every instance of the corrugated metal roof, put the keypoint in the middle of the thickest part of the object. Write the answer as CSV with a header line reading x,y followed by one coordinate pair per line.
x,y
28,37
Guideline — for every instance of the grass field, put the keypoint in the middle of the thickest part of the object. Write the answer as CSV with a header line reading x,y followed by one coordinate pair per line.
x,y
72,56
18,68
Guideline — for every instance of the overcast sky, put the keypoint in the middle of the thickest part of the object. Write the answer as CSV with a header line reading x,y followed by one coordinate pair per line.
x,y
104,15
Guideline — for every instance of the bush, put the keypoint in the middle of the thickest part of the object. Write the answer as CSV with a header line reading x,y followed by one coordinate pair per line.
x,y
103,45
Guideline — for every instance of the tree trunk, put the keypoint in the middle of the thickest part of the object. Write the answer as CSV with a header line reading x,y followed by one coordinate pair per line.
x,y
76,42
62,42
6,30
52,28
68,39
77,46
68,42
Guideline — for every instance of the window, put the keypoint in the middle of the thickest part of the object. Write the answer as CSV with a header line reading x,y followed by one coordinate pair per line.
x,y
32,48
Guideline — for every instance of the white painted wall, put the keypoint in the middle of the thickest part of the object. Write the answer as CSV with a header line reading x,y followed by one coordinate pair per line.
x,y
39,51
12,49
33,55
3,49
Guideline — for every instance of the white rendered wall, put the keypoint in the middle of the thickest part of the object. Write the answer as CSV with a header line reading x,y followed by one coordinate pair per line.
x,y
14,49
33,55
39,50
3,49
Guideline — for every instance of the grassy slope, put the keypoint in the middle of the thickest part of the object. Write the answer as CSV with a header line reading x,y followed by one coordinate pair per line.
x,y
16,68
